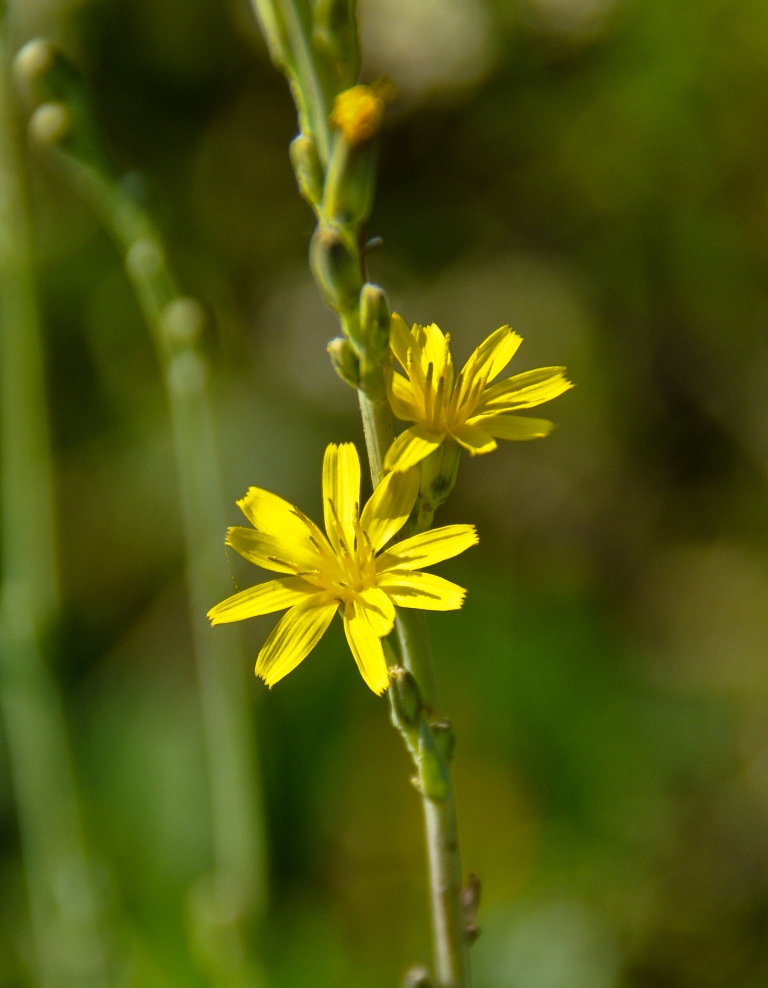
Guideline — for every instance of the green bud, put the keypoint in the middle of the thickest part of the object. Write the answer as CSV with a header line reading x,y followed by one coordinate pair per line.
x,y
183,321
335,261
50,124
445,739
374,320
438,473
350,182
345,360
45,75
405,698
309,171
438,477
334,33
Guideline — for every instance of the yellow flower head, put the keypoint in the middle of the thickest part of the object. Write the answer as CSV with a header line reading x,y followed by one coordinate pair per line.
x,y
358,113
468,409
345,569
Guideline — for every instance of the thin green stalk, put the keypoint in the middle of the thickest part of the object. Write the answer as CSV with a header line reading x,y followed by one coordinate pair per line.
x,y
176,324
238,889
449,942
69,949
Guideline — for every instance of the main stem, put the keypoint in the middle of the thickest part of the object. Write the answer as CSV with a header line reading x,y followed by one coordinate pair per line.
x,y
451,956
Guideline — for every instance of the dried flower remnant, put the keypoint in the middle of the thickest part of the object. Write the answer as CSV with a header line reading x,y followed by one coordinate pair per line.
x,y
359,112
345,569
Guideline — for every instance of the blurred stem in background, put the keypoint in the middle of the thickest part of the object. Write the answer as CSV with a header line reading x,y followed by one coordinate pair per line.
x,y
316,46
69,947
222,904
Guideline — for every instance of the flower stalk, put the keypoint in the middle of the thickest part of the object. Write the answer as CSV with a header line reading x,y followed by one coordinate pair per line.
x,y
67,933
340,164
63,125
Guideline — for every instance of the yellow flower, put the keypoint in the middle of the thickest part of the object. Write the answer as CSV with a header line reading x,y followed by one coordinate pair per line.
x,y
344,570
467,409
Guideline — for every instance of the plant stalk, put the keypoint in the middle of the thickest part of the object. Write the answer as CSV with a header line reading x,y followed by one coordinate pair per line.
x,y
344,205
236,893
69,947
176,323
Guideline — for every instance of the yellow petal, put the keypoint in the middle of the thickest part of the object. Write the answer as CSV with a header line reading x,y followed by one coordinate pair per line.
x,y
476,440
411,447
427,548
422,590
400,339
341,494
402,398
524,390
366,648
264,598
294,636
272,552
516,427
279,519
389,507
493,354
379,610
434,349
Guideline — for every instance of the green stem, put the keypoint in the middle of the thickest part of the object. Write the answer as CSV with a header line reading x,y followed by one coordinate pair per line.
x,y
68,944
451,956
240,883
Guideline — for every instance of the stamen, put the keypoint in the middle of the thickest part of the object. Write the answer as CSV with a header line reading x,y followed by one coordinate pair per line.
x,y
439,403
428,392
294,567
339,529
456,394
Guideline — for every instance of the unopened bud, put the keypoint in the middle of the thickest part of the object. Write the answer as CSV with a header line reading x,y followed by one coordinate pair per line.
x,y
144,259
405,698
307,167
334,32
438,474
31,64
183,321
374,320
445,739
50,123
345,360
335,262
350,182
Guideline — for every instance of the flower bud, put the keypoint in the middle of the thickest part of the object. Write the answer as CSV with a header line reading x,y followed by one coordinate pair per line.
x,y
335,262
438,474
50,124
350,182
309,171
334,32
445,739
374,320
405,698
345,360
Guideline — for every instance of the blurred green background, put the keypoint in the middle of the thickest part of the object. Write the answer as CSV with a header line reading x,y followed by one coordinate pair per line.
x,y
595,173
